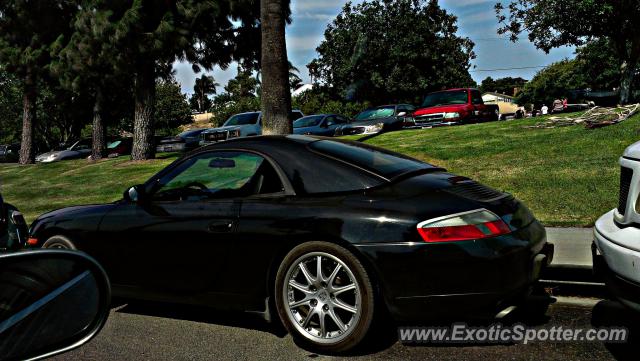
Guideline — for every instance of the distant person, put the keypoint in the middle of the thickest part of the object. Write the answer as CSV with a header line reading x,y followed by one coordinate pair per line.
x,y
558,106
545,110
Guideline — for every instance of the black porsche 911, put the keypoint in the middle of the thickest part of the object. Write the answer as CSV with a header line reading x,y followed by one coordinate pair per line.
x,y
326,232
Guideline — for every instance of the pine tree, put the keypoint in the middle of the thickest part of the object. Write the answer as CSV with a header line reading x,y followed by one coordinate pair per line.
x,y
86,64
150,34
28,30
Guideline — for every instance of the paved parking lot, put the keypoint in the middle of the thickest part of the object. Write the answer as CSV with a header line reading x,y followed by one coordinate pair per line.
x,y
162,332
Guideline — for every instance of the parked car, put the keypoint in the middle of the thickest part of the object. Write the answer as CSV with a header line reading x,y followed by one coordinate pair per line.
x,y
9,153
453,107
319,232
321,124
183,142
507,106
379,119
616,250
80,149
13,227
119,146
240,125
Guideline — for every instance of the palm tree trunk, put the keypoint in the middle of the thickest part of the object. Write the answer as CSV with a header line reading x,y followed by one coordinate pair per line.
x,y
29,99
143,122
98,144
276,97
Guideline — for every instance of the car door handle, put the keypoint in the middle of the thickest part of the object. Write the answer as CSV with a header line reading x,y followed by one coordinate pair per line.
x,y
221,226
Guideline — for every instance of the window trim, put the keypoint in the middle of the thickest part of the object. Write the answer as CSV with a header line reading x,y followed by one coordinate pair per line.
x,y
151,185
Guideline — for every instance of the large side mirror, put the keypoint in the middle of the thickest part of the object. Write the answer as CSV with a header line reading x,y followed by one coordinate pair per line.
x,y
135,194
51,301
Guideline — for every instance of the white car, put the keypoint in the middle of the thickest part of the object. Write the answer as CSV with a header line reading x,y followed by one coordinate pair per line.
x,y
616,247
240,125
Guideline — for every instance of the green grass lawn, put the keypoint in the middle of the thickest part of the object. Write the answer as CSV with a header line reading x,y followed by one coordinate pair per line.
x,y
39,188
567,176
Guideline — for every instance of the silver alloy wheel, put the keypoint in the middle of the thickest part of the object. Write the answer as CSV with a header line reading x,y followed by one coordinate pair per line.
x,y
323,297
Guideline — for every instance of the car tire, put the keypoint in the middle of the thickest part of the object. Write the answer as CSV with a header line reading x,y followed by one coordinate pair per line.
x,y
59,242
333,313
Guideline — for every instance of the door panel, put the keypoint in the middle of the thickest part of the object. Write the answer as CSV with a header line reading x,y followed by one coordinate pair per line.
x,y
170,246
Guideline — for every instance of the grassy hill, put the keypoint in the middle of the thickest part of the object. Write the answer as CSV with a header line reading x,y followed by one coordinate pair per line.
x,y
567,176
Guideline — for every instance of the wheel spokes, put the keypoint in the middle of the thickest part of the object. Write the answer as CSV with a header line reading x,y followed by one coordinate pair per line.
x,y
337,303
333,275
319,269
319,284
299,287
306,273
336,319
339,290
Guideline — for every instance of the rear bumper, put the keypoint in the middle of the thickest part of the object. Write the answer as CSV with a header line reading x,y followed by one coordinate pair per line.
x,y
421,281
614,262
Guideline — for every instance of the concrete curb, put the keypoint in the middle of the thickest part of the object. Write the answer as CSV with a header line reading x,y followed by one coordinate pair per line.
x,y
572,259
572,246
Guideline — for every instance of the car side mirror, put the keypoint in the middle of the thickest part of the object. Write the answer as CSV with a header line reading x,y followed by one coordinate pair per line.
x,y
135,194
51,301
402,114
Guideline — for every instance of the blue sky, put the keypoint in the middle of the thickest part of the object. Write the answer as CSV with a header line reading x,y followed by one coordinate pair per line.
x,y
476,20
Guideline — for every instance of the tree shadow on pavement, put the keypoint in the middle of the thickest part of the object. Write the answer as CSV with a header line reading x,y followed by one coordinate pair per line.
x,y
613,314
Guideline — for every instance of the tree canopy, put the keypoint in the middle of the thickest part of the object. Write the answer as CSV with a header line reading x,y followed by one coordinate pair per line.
x,y
203,87
28,30
554,23
392,50
506,85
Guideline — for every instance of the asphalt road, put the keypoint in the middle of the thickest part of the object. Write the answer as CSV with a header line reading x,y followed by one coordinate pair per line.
x,y
164,332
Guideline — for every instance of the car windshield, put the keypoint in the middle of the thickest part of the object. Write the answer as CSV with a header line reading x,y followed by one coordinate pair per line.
x,y
310,121
243,119
377,160
446,98
114,144
81,144
382,112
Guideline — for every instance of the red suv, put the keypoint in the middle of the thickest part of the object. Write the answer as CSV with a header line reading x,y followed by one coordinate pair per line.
x,y
453,106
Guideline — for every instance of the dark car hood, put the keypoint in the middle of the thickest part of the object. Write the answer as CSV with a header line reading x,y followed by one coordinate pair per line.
x,y
441,109
69,212
171,140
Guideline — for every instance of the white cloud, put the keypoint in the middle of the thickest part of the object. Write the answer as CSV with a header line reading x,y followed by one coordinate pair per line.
x,y
300,43
324,17
298,5
461,3
187,78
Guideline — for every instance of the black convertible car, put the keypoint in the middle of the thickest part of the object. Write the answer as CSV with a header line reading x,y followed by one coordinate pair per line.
x,y
326,232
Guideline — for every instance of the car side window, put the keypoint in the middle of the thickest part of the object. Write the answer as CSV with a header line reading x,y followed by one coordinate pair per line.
x,y
330,121
217,175
476,97
341,120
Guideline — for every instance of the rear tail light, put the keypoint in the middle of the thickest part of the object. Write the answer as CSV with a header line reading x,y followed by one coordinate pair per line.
x,y
32,241
465,226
